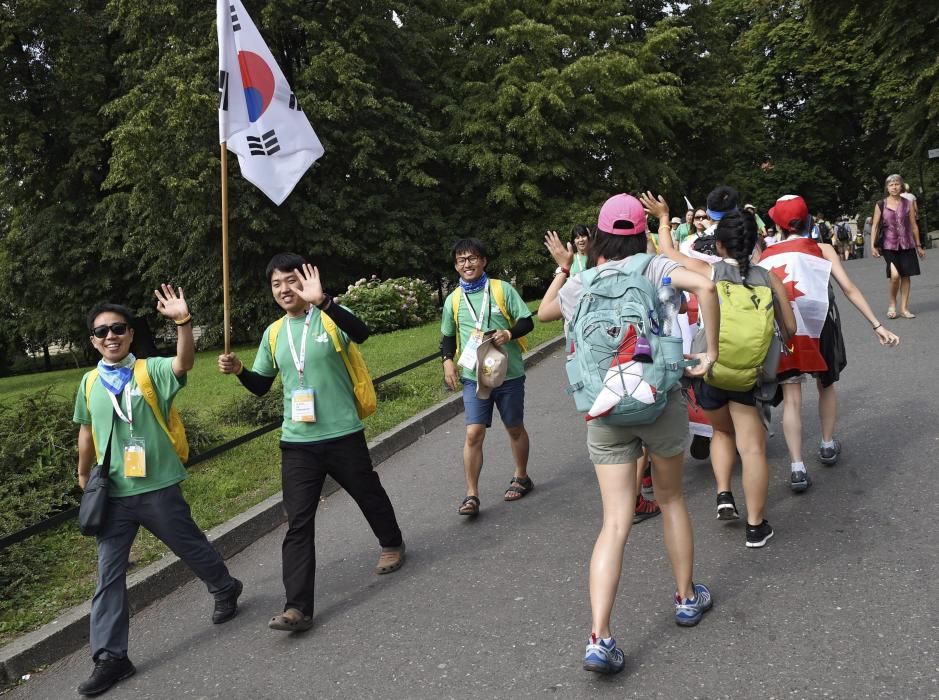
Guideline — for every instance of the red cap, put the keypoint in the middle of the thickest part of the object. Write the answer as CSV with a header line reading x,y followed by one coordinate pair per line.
x,y
789,208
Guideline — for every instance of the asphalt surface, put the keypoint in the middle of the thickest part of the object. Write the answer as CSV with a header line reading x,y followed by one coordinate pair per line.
x,y
840,604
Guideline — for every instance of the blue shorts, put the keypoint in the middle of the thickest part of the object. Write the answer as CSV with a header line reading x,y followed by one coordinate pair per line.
x,y
510,399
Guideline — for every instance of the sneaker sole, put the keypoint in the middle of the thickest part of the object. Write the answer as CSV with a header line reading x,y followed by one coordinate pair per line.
x,y
828,461
596,667
692,622
800,486
727,513
756,545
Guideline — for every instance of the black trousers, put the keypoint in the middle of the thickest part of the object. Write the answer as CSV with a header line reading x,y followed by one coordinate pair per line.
x,y
304,467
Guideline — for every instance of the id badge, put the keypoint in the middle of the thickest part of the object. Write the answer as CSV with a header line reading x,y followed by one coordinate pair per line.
x,y
135,458
302,409
468,356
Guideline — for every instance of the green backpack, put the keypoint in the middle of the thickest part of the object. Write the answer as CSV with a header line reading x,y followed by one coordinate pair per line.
x,y
618,307
747,328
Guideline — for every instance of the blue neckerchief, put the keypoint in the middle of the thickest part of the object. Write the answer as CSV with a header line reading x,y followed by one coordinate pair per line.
x,y
477,286
115,377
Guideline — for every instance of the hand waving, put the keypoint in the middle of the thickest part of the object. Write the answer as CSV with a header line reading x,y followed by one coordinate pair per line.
x,y
308,286
171,304
563,255
655,206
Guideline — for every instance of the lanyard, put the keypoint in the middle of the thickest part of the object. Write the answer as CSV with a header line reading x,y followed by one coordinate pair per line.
x,y
477,320
129,417
300,362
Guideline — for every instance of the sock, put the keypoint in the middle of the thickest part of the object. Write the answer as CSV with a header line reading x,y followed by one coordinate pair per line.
x,y
828,444
798,467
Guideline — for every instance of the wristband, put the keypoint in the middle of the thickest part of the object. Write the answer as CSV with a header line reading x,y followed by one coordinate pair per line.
x,y
184,321
566,271
325,303
879,325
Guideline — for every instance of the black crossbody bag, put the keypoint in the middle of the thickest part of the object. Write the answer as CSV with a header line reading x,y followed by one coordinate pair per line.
x,y
94,505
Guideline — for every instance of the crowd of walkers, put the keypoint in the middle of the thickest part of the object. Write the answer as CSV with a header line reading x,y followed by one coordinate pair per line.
x,y
765,321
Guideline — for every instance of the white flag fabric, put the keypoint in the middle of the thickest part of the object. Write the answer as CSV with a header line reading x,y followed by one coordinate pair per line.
x,y
259,117
799,264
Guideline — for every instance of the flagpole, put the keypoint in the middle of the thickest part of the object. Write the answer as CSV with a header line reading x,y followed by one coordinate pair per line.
x,y
226,304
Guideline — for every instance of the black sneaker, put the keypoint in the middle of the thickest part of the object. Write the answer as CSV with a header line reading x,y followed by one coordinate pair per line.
x,y
799,481
759,535
829,455
726,508
226,608
107,672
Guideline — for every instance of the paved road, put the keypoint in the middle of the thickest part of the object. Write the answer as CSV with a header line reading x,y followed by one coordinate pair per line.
x,y
841,604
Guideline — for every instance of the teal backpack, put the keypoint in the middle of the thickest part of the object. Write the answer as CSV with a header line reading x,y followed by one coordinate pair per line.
x,y
618,307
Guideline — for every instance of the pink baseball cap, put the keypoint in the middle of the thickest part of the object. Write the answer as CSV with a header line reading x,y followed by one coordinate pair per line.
x,y
622,215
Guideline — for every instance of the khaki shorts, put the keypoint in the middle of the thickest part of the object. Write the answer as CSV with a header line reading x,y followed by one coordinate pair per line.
x,y
622,444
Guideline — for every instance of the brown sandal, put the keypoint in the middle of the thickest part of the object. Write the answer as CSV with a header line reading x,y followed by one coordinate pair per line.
x,y
390,559
291,620
469,506
518,487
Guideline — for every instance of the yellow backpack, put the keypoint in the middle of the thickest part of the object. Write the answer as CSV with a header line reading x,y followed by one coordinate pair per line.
x,y
364,391
174,428
498,293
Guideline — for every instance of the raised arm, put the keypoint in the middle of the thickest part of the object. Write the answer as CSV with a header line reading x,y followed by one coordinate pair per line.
x,y
657,207
550,307
172,305
703,288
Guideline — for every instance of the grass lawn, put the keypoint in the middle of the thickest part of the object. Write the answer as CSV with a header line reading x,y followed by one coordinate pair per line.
x,y
222,487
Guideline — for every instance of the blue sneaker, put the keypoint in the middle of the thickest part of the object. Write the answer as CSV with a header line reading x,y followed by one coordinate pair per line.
x,y
688,612
602,657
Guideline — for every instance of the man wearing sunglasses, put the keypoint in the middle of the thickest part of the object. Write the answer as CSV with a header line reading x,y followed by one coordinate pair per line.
x,y
478,308
144,476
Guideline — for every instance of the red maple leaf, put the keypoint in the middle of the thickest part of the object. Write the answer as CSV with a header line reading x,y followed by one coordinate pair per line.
x,y
792,291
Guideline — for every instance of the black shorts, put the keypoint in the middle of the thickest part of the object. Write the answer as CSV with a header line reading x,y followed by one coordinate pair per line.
x,y
711,398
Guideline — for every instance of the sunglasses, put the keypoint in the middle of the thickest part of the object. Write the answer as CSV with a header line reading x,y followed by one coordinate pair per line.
x,y
700,217
101,332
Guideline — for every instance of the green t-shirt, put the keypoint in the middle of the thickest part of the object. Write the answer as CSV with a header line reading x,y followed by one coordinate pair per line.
x,y
163,465
579,264
492,320
323,371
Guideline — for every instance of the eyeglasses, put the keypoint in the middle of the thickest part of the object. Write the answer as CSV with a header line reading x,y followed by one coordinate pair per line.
x,y
700,217
468,260
101,332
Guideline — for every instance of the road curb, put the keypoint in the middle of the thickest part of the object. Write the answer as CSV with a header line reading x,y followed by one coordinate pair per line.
x,y
69,632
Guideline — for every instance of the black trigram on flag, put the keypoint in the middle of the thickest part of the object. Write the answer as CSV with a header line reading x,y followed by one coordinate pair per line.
x,y
235,24
265,145
223,90
294,103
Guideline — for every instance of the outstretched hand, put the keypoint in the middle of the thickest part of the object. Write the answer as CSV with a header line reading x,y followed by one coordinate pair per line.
x,y
886,337
308,286
171,304
563,254
655,206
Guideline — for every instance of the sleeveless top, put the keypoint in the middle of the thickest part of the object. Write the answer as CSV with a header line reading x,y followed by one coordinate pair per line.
x,y
896,226
756,276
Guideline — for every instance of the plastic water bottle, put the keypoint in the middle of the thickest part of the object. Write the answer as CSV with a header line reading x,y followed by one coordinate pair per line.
x,y
670,298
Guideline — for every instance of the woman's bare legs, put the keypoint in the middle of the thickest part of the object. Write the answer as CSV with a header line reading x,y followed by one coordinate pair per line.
x,y
679,536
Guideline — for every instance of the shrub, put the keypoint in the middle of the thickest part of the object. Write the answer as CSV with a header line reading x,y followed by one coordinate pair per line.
x,y
400,302
249,409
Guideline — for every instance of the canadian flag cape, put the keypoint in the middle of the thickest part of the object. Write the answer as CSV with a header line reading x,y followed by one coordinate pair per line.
x,y
804,272
258,115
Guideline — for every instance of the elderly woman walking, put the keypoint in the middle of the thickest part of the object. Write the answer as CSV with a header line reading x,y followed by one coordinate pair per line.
x,y
896,239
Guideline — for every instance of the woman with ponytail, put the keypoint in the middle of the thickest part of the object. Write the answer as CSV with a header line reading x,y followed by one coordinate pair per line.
x,y
734,415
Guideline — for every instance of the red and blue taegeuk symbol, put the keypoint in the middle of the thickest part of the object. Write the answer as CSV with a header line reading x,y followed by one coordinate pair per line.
x,y
258,81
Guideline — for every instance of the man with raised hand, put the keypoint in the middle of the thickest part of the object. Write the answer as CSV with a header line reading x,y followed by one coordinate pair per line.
x,y
481,306
115,403
322,433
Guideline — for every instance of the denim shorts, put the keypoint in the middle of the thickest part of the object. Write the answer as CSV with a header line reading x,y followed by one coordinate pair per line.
x,y
509,398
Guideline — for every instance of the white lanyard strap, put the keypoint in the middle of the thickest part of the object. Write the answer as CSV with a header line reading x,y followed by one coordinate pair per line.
x,y
129,417
477,320
300,361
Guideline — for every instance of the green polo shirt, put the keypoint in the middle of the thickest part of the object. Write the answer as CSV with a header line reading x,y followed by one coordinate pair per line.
x,y
579,264
492,320
324,372
163,465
